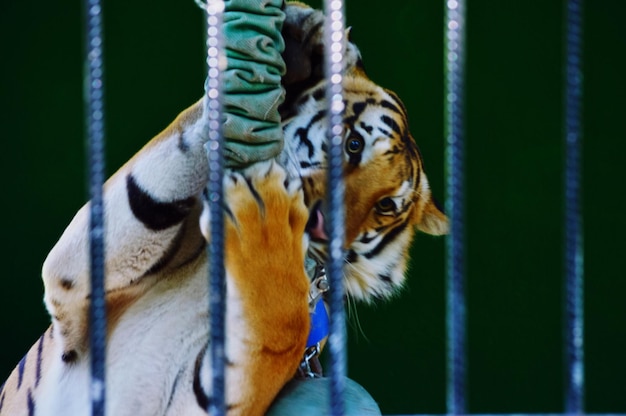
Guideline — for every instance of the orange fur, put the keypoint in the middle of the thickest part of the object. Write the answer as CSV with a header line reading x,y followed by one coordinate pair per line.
x,y
267,266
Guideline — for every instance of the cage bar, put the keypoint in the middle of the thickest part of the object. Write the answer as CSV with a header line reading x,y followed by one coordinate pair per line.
x,y
94,110
574,271
454,42
215,147
334,50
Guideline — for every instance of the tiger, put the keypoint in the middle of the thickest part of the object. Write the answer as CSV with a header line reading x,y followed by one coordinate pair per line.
x,y
157,229
387,194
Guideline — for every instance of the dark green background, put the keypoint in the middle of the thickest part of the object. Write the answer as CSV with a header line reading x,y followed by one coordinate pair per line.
x,y
155,68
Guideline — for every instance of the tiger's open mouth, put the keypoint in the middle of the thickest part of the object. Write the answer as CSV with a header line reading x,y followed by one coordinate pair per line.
x,y
316,229
316,224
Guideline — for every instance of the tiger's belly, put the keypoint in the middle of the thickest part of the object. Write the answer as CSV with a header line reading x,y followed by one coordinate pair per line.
x,y
151,354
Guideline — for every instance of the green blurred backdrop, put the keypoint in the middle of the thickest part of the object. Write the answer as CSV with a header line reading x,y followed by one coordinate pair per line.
x,y
155,68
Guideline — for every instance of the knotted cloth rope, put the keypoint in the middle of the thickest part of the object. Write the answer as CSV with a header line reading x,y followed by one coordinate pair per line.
x,y
251,82
94,110
574,327
455,204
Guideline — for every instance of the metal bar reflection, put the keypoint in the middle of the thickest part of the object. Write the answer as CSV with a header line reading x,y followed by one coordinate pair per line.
x,y
334,49
455,204
215,145
574,273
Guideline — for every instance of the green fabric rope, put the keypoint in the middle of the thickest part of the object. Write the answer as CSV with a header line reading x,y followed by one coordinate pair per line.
x,y
251,84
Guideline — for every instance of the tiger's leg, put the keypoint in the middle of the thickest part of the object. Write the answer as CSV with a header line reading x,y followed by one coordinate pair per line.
x,y
267,288
148,204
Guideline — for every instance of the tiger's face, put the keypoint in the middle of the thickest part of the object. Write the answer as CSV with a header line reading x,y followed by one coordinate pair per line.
x,y
387,196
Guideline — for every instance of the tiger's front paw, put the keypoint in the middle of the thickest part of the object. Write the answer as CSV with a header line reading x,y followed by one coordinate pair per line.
x,y
267,287
266,217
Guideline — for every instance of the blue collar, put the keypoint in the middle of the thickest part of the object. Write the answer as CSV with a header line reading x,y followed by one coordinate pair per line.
x,y
319,324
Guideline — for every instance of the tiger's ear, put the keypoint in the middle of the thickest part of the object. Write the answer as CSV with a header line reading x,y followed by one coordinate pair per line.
x,y
301,29
432,220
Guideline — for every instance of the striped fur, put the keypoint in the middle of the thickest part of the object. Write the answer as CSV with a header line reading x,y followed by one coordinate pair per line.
x,y
157,290
388,196
156,265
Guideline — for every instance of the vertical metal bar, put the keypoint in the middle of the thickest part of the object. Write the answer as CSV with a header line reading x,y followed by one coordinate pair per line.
x,y
215,144
335,46
455,205
94,109
574,326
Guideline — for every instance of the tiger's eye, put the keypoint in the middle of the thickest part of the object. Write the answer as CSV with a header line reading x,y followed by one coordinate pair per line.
x,y
354,145
385,205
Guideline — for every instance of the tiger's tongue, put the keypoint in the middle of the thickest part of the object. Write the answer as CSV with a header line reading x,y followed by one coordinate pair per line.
x,y
315,226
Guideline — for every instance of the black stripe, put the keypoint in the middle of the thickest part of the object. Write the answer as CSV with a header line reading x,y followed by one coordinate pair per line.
x,y
385,278
379,230
201,397
418,172
391,106
306,165
1,400
39,358
389,237
20,371
386,132
30,403
358,108
183,146
69,356
391,123
303,132
318,94
168,254
256,196
172,250
366,239
369,129
399,102
153,214
352,257
414,162
174,387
